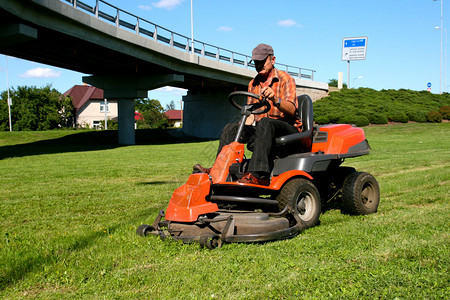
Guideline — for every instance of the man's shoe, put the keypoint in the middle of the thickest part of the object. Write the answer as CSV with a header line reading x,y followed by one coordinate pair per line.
x,y
199,169
249,178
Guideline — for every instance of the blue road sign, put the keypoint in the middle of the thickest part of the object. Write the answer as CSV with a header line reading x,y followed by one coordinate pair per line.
x,y
355,43
429,84
354,48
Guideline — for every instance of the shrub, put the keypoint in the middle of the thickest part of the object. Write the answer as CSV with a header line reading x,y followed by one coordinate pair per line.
x,y
112,125
434,117
413,105
399,117
378,119
357,120
322,120
362,121
417,116
445,111
333,118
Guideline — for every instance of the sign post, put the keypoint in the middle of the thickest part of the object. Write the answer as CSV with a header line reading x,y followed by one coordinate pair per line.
x,y
353,49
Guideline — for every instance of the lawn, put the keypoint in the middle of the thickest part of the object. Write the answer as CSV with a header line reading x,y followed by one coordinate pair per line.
x,y
70,203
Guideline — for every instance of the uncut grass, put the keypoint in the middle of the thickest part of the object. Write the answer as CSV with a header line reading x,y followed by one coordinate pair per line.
x,y
68,222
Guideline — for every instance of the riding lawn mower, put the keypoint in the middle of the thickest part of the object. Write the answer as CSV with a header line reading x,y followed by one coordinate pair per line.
x,y
213,208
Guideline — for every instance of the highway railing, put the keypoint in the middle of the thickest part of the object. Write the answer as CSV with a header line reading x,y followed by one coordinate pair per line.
x,y
123,19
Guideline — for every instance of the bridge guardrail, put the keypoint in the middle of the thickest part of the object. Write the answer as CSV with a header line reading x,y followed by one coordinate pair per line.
x,y
121,18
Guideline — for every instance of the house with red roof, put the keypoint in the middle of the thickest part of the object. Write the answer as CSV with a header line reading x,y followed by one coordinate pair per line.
x,y
175,117
90,106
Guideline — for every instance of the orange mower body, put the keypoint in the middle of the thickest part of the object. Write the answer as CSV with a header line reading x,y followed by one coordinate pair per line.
x,y
214,208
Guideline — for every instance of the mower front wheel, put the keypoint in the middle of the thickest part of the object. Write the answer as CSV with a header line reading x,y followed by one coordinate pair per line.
x,y
143,230
303,198
360,194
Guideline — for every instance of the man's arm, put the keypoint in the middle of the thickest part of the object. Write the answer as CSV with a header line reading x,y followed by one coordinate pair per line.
x,y
250,120
287,107
288,103
287,99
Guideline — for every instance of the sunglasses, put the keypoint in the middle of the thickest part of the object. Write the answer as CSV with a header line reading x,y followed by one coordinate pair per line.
x,y
261,62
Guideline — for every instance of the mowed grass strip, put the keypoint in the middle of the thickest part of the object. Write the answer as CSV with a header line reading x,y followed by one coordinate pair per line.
x,y
69,211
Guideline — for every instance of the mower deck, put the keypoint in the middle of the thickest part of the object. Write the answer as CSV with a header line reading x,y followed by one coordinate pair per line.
x,y
225,226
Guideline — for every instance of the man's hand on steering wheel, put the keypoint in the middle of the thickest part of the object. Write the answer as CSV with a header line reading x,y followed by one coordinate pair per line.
x,y
268,93
260,107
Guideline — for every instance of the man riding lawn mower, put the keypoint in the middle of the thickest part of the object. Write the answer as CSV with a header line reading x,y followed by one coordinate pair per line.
x,y
294,170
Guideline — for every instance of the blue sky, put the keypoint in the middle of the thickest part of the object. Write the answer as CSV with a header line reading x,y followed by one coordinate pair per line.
x,y
403,48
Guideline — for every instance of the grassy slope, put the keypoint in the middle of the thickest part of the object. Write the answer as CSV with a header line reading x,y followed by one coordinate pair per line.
x,y
68,215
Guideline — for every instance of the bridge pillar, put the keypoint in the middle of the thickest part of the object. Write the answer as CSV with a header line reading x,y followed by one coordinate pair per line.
x,y
207,111
126,131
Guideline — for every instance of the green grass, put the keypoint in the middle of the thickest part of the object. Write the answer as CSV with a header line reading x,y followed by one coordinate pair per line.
x,y
70,203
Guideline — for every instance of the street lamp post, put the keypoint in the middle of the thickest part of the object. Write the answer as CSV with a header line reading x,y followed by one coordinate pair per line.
x,y
445,58
359,77
441,27
192,29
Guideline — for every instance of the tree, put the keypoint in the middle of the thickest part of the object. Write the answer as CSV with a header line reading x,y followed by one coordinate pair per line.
x,y
68,112
171,105
334,83
36,109
4,114
152,113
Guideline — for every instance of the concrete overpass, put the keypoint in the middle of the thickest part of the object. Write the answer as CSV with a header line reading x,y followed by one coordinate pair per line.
x,y
127,56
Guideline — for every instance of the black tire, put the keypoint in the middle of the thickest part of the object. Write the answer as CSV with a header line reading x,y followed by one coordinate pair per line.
x,y
303,198
360,194
210,242
341,174
143,230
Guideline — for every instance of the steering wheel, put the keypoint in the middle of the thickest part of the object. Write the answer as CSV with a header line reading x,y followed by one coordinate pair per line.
x,y
254,108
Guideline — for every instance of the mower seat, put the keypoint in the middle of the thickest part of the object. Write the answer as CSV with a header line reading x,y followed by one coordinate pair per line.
x,y
304,137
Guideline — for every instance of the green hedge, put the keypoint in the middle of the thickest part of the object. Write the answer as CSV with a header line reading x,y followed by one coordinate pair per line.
x,y
398,117
417,116
357,120
363,106
378,119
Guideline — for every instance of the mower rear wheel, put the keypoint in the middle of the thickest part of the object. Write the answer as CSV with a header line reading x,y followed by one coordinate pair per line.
x,y
143,230
303,198
360,194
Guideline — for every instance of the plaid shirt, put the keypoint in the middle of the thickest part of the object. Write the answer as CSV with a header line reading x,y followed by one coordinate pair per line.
x,y
283,86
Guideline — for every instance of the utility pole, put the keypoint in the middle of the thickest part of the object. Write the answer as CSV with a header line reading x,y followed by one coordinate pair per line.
x,y
106,114
192,29
9,98
181,107
441,28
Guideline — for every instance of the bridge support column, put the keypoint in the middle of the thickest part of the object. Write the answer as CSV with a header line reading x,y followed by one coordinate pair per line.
x,y
207,111
126,131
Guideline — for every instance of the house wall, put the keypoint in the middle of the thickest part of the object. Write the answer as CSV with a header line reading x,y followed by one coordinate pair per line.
x,y
175,123
90,113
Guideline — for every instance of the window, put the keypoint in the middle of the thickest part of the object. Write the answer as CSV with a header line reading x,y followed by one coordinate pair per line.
x,y
96,124
102,107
